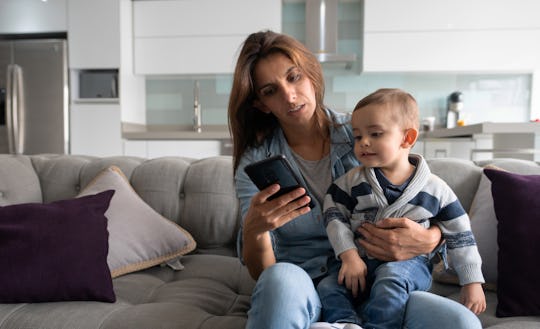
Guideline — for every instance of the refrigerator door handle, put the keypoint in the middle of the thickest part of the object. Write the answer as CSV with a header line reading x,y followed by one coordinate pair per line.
x,y
9,109
15,109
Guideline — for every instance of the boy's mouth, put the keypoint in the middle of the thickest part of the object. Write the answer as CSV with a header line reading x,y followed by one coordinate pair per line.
x,y
364,154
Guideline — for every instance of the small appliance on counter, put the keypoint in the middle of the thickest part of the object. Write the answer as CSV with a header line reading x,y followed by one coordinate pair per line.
x,y
453,109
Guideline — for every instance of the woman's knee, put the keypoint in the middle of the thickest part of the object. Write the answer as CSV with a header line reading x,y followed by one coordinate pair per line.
x,y
285,279
284,294
427,310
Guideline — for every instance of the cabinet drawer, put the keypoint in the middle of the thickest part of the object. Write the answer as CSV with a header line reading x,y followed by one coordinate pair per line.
x,y
186,55
183,148
197,36
204,17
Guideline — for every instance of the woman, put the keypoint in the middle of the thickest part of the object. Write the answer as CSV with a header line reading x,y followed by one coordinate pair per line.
x,y
276,107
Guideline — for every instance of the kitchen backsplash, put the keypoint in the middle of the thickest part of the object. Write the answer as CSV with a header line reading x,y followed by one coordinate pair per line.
x,y
487,97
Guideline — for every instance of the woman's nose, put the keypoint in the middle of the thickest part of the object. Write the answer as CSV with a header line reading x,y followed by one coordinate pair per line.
x,y
290,94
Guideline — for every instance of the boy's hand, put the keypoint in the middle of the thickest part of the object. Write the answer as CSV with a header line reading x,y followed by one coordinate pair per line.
x,y
472,296
353,271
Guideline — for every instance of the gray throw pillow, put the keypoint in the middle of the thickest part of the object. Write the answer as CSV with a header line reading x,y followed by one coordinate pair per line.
x,y
139,237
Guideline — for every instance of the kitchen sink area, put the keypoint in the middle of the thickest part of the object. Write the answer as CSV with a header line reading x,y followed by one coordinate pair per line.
x,y
174,132
152,141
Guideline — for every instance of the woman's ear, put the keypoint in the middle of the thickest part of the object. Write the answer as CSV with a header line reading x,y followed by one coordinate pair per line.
x,y
260,106
410,138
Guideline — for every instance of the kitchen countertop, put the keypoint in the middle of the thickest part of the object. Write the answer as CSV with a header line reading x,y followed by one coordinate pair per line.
x,y
218,132
486,128
174,132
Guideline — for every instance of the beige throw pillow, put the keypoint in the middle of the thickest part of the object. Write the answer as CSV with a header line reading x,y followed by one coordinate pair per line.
x,y
139,237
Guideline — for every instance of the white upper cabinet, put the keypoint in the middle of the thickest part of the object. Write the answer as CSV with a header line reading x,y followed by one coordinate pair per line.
x,y
94,34
197,36
457,35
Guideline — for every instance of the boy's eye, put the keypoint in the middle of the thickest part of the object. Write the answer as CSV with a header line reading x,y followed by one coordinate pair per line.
x,y
376,134
357,138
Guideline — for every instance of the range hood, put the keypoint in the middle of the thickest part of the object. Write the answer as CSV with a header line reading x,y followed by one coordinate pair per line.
x,y
322,32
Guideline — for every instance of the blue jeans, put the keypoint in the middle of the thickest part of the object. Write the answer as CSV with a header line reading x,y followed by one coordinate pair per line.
x,y
391,285
285,297
388,287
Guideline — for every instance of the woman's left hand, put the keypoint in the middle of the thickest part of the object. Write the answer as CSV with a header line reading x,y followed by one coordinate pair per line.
x,y
394,239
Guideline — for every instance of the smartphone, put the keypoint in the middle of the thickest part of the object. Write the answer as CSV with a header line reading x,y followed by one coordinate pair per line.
x,y
275,170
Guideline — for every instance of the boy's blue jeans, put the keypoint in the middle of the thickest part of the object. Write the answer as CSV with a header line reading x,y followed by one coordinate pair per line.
x,y
383,303
285,297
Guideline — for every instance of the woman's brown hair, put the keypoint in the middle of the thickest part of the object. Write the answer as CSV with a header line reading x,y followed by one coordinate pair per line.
x,y
249,126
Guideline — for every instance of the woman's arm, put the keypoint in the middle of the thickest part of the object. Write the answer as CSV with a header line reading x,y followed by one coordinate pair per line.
x,y
398,239
263,216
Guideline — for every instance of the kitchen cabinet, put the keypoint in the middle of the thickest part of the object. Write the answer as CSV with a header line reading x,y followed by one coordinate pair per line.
x,y
100,40
94,34
489,140
448,148
96,130
431,148
196,36
459,35
184,148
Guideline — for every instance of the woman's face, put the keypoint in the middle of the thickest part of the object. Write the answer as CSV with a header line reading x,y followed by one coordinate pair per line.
x,y
284,90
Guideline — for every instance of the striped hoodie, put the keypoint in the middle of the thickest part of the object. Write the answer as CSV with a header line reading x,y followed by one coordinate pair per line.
x,y
357,197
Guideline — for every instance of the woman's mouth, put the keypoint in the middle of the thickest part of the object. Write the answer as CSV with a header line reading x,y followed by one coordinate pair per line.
x,y
296,108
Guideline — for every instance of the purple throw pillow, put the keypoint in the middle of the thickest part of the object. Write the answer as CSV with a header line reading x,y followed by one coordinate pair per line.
x,y
56,251
517,207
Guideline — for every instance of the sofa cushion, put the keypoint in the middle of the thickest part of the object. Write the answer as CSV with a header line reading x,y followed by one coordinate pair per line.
x,y
212,215
139,236
18,181
56,251
517,206
484,227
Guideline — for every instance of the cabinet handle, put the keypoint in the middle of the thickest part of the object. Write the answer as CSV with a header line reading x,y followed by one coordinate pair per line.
x,y
441,153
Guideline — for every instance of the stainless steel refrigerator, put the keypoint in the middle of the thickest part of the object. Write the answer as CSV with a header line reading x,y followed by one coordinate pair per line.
x,y
34,96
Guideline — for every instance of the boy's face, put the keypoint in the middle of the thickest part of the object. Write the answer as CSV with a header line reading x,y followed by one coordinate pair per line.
x,y
380,141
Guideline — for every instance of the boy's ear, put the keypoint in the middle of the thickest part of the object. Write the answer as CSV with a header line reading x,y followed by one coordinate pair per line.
x,y
410,138
260,106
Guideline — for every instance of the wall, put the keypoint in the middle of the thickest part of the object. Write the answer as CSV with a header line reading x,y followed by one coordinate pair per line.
x,y
32,16
488,97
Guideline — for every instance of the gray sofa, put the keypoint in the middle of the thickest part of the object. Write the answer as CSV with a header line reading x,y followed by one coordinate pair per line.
x,y
213,290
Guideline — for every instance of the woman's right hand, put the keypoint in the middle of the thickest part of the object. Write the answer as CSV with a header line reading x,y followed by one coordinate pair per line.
x,y
263,216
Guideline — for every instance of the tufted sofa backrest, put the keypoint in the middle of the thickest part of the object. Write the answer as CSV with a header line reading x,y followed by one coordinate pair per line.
x,y
196,194
199,195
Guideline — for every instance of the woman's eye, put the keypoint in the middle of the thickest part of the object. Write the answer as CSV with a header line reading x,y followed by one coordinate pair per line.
x,y
267,91
295,76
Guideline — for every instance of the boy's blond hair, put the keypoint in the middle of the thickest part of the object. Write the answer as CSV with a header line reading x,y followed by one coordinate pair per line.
x,y
402,104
